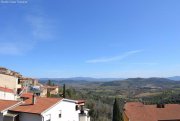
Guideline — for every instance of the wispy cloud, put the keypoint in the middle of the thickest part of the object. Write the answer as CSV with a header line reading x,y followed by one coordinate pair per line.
x,y
114,58
36,29
41,26
15,48
9,49
146,63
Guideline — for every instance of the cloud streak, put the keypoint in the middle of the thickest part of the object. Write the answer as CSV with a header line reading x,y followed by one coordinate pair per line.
x,y
38,29
42,27
15,48
9,49
115,58
146,63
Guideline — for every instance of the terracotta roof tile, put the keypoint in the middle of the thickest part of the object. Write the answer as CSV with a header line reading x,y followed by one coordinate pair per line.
x,y
4,104
4,89
80,101
136,111
40,106
27,95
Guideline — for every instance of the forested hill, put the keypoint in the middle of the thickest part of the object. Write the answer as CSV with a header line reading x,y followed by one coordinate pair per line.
x,y
133,83
144,83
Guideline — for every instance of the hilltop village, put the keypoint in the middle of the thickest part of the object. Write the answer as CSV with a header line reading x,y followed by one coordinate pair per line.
x,y
25,99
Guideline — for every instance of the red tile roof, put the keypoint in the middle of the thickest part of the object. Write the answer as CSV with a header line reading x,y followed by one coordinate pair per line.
x,y
80,102
4,104
40,106
27,95
136,111
4,89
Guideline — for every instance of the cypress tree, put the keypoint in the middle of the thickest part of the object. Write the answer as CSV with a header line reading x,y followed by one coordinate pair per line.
x,y
48,93
64,91
116,111
49,83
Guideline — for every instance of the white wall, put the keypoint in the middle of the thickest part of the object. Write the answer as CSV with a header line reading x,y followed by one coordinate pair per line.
x,y
29,117
84,117
67,109
68,112
7,96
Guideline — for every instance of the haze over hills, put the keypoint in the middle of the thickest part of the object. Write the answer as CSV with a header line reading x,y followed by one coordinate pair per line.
x,y
82,79
144,83
173,78
133,83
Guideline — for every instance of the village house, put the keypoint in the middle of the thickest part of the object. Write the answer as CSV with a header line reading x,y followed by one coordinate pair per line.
x,y
10,82
7,94
42,109
53,90
137,111
5,106
19,103
13,84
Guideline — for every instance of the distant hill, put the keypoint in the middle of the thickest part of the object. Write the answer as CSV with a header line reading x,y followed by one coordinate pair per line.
x,y
175,78
144,83
81,79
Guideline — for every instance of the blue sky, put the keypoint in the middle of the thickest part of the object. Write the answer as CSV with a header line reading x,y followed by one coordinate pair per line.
x,y
91,38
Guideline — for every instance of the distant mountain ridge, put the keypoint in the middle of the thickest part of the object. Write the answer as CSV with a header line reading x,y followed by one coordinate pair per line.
x,y
82,79
175,78
144,83
129,83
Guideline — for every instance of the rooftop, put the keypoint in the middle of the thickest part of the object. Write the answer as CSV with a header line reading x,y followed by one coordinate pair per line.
x,y
137,111
27,95
4,89
40,106
5,104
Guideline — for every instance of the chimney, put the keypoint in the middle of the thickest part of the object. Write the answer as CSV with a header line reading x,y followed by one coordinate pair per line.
x,y
81,109
34,99
161,105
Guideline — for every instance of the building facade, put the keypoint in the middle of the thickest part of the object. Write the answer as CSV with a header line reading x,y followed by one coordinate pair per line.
x,y
45,109
7,94
11,82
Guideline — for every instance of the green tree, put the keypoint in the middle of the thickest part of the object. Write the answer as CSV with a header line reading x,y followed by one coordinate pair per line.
x,y
116,111
64,91
48,93
49,83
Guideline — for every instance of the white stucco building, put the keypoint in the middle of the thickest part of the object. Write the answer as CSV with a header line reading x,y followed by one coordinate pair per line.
x,y
7,94
32,108
45,109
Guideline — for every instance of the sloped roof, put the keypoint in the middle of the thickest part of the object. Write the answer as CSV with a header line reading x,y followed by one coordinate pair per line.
x,y
40,106
27,95
137,111
80,102
5,104
4,89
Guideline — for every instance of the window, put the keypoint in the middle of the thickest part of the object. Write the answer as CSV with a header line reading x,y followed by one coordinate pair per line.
x,y
76,107
19,81
60,114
